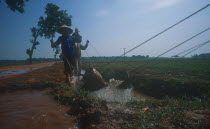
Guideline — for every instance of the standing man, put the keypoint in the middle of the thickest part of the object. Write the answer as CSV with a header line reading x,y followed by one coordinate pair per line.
x,y
78,48
68,49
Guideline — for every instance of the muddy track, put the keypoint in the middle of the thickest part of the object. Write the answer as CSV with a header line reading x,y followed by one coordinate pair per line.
x,y
38,65
35,79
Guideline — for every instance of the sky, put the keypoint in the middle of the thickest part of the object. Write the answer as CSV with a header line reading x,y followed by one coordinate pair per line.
x,y
110,26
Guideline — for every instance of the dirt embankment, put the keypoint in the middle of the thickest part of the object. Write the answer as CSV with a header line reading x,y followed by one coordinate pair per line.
x,y
39,65
39,78
93,113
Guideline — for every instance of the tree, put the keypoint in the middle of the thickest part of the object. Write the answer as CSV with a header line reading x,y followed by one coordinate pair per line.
x,y
48,26
35,34
16,5
54,19
57,52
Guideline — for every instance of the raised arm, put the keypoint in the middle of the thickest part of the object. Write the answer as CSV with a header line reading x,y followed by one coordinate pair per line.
x,y
86,45
55,44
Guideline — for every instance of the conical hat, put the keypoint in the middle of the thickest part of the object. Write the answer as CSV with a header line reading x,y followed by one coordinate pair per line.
x,y
64,27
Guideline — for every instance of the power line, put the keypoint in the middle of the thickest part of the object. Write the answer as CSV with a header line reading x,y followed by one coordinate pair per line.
x,y
169,29
197,47
183,42
188,49
175,46
166,29
179,44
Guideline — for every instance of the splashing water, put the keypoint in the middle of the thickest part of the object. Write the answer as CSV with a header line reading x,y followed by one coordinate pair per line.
x,y
113,94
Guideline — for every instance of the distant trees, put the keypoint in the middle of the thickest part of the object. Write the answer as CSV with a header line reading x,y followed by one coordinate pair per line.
x,y
115,57
16,5
139,56
54,19
175,56
35,34
203,55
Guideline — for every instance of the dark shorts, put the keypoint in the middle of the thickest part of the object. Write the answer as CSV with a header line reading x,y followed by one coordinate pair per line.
x,y
69,64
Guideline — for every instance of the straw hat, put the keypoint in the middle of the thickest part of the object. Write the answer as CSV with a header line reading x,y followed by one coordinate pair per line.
x,y
64,27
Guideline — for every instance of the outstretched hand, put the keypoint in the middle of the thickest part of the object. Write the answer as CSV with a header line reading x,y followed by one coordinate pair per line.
x,y
87,41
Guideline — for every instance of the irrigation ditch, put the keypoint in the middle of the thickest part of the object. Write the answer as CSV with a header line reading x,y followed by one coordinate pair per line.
x,y
186,106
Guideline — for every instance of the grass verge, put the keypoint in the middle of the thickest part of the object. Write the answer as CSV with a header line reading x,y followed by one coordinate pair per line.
x,y
161,77
165,113
171,113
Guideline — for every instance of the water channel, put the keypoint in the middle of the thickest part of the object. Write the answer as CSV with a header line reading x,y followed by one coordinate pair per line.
x,y
32,109
35,109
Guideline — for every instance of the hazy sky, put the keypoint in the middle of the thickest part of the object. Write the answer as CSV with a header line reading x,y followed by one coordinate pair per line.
x,y
110,25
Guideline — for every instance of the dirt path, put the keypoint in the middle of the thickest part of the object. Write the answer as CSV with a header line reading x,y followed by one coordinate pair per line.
x,y
38,78
6,68
11,71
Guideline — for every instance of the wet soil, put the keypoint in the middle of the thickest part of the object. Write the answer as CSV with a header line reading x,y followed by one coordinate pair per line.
x,y
32,109
35,79
38,65
11,71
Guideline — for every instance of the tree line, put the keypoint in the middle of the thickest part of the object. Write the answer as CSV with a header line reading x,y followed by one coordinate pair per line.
x,y
115,57
203,55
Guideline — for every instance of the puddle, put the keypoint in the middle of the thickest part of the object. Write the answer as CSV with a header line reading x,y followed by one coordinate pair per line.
x,y
13,72
32,110
19,71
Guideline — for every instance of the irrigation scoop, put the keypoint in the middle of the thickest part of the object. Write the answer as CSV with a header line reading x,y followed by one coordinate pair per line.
x,y
93,80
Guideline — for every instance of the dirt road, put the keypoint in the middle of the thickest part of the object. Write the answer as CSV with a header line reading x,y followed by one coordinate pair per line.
x,y
38,78
38,65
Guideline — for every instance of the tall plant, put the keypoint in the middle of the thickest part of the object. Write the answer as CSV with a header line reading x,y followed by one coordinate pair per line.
x,y
35,34
54,19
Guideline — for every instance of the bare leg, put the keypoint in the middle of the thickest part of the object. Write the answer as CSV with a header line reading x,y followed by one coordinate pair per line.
x,y
68,68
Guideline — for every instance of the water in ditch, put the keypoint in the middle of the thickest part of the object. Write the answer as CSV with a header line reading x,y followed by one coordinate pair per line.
x,y
114,94
32,109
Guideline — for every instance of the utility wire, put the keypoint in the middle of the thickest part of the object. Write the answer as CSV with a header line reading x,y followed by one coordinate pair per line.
x,y
188,49
183,42
166,29
176,46
197,48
